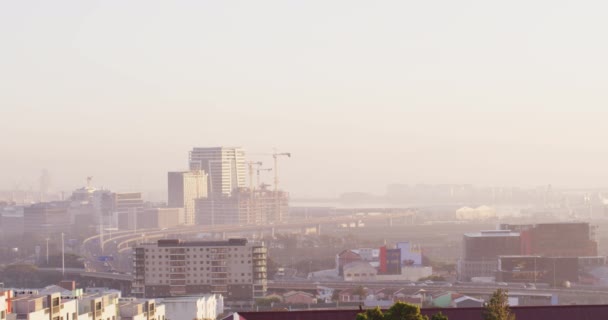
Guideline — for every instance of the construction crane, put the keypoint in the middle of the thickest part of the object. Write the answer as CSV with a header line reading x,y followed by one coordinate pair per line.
x,y
276,156
250,164
258,174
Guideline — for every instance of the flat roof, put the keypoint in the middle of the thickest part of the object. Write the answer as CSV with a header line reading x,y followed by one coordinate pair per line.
x,y
493,233
181,243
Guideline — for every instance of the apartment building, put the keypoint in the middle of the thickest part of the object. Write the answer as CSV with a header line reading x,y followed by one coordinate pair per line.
x,y
208,306
234,268
5,304
141,309
43,307
96,306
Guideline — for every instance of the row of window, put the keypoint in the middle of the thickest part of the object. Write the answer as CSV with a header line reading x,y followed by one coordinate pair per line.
x,y
208,281
194,262
205,274
201,256
212,250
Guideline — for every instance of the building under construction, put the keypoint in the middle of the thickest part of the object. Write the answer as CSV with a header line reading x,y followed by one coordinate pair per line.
x,y
243,207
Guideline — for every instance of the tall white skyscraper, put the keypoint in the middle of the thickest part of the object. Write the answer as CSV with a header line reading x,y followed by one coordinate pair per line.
x,y
225,166
184,188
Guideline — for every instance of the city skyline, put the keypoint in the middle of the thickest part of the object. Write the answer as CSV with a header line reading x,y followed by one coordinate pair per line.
x,y
396,92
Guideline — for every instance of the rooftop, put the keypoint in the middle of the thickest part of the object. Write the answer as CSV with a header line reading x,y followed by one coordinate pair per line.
x,y
492,233
180,243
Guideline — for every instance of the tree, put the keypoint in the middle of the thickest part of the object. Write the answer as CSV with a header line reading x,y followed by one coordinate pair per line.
x,y
267,302
498,307
404,311
335,295
371,314
398,311
439,316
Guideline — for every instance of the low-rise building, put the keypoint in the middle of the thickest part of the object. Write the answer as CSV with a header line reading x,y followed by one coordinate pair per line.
x,y
98,306
5,303
359,271
209,306
299,297
43,307
141,309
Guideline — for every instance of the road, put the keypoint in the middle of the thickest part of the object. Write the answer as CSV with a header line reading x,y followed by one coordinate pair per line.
x,y
118,245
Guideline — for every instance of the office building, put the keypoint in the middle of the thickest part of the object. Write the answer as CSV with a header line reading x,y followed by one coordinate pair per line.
x,y
183,189
225,168
159,218
46,218
11,222
234,268
122,209
481,251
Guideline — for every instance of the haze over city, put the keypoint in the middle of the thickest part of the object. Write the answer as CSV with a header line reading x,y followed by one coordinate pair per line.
x,y
255,160
363,95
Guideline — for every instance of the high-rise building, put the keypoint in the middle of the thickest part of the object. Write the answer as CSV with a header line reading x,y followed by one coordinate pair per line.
x,y
234,268
183,189
225,168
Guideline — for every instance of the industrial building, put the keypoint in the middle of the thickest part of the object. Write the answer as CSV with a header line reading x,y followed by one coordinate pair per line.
x,y
481,250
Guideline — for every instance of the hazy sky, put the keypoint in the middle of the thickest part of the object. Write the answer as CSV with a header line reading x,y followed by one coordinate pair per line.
x,y
363,93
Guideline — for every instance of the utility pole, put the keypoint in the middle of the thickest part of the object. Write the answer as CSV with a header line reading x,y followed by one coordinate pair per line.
x,y
47,252
62,255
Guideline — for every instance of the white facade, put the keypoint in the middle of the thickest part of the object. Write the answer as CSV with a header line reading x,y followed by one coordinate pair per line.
x,y
479,213
4,296
209,306
359,271
43,307
138,309
225,166
98,306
